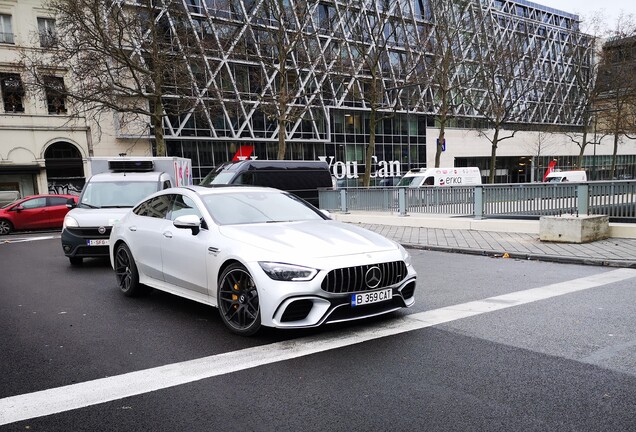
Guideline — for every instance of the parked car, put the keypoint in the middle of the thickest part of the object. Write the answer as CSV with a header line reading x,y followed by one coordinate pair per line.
x,y
34,212
262,256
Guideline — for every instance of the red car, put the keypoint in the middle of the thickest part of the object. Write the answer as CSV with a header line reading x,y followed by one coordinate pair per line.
x,y
34,212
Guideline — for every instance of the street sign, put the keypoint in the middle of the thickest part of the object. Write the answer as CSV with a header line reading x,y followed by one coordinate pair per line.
x,y
443,144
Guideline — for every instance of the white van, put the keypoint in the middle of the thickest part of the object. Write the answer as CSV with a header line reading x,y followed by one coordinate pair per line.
x,y
420,177
566,176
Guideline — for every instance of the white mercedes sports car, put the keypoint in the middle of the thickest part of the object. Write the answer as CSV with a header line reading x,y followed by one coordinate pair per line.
x,y
261,256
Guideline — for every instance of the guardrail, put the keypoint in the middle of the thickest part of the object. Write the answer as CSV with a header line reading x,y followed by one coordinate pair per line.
x,y
617,199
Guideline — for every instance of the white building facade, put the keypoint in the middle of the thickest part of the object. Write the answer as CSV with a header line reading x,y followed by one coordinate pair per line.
x,y
43,149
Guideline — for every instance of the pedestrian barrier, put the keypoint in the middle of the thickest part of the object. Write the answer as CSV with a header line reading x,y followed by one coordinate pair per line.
x,y
616,199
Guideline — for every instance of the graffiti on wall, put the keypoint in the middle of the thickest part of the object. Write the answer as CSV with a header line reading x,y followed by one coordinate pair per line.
x,y
66,186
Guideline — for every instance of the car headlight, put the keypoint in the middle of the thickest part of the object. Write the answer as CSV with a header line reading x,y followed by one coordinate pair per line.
x,y
70,222
287,272
406,257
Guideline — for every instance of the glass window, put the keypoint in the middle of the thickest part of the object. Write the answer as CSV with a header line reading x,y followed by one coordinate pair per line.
x,y
156,207
34,203
12,92
46,30
183,206
6,29
57,201
55,94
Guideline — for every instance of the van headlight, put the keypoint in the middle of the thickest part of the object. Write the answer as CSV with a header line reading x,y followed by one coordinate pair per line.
x,y
287,272
70,222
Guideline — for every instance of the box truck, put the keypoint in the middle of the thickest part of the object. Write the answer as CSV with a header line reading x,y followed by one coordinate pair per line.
x,y
115,185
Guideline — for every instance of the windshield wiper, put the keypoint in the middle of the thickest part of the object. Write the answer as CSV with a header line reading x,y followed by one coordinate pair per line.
x,y
117,206
88,205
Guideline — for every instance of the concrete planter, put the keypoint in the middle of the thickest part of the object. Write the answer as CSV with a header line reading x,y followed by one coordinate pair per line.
x,y
573,229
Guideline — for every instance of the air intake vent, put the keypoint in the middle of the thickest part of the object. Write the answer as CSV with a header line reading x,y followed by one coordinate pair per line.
x,y
130,165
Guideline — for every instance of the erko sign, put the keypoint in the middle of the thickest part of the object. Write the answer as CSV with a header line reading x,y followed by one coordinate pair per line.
x,y
449,178
349,169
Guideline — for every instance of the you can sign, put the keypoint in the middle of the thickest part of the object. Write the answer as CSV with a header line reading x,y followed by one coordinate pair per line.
x,y
349,169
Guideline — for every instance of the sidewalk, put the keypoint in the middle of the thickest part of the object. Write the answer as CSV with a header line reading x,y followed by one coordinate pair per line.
x,y
497,237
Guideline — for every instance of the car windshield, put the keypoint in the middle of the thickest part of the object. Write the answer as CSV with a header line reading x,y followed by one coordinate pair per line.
x,y
257,207
115,194
222,178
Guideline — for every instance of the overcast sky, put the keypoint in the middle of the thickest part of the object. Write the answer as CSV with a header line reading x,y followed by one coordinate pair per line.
x,y
587,8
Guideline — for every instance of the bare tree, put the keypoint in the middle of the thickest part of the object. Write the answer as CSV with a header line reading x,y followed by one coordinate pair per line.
x,y
133,58
289,59
584,54
443,67
544,142
503,78
617,84
375,63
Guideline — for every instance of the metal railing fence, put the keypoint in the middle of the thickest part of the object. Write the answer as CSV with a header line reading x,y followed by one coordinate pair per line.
x,y
617,199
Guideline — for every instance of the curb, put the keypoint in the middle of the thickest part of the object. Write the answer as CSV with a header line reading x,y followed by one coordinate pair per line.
x,y
529,257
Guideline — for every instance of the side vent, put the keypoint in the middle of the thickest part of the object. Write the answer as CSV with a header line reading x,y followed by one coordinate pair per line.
x,y
130,165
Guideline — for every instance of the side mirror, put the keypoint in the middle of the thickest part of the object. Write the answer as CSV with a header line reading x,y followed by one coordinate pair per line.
x,y
70,203
18,208
191,222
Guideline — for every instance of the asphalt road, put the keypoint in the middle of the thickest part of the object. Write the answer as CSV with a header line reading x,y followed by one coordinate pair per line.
x,y
562,360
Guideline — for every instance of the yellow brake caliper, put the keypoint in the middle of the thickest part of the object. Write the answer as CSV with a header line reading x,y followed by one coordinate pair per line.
x,y
234,296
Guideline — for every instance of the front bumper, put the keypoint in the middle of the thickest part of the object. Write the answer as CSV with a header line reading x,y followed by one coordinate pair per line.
x,y
76,242
307,304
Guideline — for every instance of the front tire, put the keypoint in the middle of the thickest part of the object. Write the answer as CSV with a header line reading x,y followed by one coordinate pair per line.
x,y
126,272
237,299
5,227
76,261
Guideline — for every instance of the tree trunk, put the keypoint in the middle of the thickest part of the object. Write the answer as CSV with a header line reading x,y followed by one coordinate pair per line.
x,y
613,171
370,149
583,145
157,123
493,157
282,144
440,142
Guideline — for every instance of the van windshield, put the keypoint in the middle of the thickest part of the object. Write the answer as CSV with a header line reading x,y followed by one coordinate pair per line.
x,y
115,194
553,180
409,181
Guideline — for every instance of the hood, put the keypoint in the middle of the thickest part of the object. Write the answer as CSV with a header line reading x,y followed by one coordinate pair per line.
x,y
315,239
97,217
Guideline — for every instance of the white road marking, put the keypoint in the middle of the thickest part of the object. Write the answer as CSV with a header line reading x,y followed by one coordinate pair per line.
x,y
29,239
60,399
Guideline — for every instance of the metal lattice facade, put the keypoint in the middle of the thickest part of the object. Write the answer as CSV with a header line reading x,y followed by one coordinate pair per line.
x,y
331,80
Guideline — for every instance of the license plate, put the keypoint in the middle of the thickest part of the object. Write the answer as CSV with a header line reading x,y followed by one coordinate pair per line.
x,y
97,242
371,297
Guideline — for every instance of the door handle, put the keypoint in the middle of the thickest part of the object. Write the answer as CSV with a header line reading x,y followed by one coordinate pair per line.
x,y
167,234
132,228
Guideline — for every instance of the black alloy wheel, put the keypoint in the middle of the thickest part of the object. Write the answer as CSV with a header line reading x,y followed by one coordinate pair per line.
x,y
237,298
126,272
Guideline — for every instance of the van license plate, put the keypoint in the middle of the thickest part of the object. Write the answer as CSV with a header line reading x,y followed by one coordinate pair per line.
x,y
97,242
371,297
